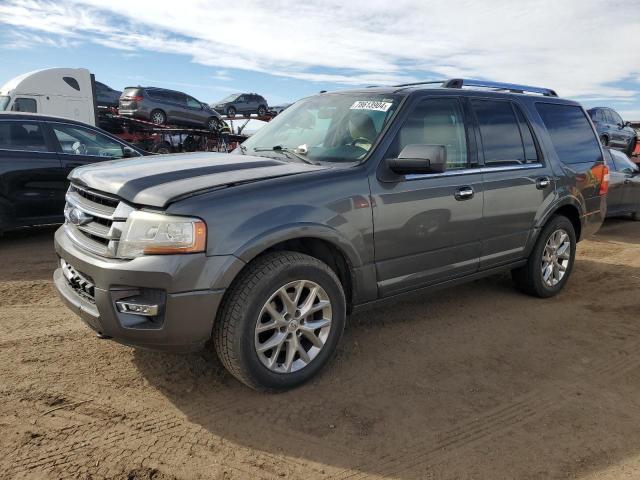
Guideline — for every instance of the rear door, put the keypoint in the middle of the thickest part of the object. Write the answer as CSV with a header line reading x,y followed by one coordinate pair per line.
x,y
518,182
32,181
241,104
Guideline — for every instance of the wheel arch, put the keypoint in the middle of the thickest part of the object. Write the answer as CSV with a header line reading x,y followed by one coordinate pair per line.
x,y
569,208
323,243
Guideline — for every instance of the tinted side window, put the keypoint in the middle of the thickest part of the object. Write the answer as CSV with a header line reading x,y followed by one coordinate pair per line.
x,y
193,103
501,140
570,132
435,122
25,105
81,141
25,136
617,119
623,164
530,150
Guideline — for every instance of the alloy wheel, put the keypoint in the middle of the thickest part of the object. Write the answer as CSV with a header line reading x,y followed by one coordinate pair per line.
x,y
556,257
293,326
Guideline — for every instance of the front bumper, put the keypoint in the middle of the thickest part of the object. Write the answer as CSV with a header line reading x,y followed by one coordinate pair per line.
x,y
187,288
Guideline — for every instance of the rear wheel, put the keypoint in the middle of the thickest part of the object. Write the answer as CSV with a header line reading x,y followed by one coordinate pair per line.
x,y
262,111
158,117
281,321
551,261
162,148
632,146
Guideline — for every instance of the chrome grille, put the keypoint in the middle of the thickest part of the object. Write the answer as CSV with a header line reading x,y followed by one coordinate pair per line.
x,y
94,220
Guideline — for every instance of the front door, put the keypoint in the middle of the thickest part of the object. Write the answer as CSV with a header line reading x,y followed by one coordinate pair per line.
x,y
426,227
81,146
32,182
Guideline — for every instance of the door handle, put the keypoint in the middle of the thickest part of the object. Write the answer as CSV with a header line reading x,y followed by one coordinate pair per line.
x,y
464,193
542,183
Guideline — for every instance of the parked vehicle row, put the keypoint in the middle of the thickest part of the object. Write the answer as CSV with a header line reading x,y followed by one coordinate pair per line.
x,y
343,200
613,131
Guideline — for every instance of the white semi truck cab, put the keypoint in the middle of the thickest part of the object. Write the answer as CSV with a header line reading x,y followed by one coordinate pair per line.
x,y
61,92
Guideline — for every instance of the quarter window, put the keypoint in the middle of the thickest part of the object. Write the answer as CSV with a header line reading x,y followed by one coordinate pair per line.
x,y
26,136
501,137
80,141
193,103
25,105
72,82
435,122
571,134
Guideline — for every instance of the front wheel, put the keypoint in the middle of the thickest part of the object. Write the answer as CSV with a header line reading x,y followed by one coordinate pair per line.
x,y
281,321
231,112
213,124
604,140
551,261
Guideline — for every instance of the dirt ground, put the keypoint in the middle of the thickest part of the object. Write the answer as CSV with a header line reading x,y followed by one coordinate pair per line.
x,y
477,382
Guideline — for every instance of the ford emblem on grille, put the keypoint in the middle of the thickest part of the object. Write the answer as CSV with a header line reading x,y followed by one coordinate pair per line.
x,y
77,216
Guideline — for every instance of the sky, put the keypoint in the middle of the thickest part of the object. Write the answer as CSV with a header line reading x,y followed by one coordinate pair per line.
x,y
587,50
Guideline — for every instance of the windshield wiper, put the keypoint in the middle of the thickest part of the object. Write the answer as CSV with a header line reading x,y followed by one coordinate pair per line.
x,y
285,150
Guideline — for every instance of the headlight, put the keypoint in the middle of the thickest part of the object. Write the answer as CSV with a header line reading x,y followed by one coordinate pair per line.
x,y
148,233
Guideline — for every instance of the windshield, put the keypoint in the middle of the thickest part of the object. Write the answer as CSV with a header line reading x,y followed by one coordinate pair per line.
x,y
4,102
230,98
336,127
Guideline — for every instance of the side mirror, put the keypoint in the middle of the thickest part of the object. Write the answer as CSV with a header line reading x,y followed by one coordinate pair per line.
x,y
419,158
129,152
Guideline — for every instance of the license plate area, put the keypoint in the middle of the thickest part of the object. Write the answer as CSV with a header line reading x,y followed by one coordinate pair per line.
x,y
79,283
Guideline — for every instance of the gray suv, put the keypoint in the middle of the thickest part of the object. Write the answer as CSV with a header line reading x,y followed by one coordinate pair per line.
x,y
344,200
244,103
162,106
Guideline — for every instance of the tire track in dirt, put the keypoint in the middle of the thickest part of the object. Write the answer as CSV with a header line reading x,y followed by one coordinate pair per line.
x,y
497,421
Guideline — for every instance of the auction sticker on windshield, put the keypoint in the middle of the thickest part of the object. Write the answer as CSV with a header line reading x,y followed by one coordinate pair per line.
x,y
371,105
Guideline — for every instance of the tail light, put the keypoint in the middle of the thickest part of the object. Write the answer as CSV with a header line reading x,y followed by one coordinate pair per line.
x,y
136,98
604,181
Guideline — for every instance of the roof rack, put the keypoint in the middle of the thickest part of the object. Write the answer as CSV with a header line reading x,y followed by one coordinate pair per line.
x,y
509,87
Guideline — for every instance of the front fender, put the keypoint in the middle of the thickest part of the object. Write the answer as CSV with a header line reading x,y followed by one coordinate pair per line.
x,y
268,239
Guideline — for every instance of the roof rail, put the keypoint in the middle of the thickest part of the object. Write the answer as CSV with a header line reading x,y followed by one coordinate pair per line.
x,y
461,82
511,87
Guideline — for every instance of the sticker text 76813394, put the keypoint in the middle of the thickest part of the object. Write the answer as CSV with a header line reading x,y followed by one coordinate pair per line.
x,y
371,105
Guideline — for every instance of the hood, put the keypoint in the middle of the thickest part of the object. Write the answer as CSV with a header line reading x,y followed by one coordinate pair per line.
x,y
158,180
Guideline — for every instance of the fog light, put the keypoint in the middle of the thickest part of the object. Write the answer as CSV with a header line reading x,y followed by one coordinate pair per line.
x,y
137,308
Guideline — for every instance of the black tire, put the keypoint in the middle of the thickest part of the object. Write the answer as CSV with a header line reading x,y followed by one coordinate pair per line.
x,y
529,278
604,140
262,111
231,112
213,124
234,334
162,148
632,146
158,117
636,216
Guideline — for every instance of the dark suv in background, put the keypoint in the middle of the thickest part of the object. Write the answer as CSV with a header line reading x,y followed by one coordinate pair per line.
x,y
613,131
343,200
162,106
107,96
37,153
243,103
